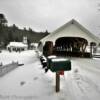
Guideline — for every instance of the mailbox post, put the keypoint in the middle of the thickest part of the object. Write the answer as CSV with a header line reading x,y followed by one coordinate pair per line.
x,y
57,65
57,82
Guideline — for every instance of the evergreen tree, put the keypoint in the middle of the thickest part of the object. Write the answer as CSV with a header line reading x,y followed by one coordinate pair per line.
x,y
30,30
3,20
10,36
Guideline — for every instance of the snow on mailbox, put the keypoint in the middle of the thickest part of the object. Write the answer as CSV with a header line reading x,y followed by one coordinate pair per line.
x,y
49,58
59,64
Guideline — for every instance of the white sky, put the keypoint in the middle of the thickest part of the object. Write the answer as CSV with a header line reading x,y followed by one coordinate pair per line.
x,y
51,14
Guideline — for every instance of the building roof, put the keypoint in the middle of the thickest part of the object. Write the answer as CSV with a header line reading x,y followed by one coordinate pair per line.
x,y
16,44
34,44
73,21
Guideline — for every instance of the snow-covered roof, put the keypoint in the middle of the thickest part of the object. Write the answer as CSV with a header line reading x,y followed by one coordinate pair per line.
x,y
73,21
34,44
16,44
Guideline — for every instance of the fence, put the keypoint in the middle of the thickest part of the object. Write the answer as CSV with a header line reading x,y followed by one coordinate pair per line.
x,y
7,68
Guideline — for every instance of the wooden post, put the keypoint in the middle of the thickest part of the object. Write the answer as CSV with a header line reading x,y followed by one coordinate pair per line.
x,y
91,49
57,82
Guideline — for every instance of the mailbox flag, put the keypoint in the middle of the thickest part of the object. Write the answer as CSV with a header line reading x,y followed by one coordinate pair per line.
x,y
61,72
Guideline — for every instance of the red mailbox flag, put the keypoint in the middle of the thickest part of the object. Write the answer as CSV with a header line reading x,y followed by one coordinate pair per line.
x,y
61,72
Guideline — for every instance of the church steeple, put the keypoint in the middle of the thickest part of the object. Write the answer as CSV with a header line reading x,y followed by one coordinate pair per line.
x,y
25,39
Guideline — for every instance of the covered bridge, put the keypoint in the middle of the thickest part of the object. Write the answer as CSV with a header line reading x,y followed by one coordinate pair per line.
x,y
72,37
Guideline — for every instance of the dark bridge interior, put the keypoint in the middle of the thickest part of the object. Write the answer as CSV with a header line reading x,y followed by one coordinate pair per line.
x,y
67,46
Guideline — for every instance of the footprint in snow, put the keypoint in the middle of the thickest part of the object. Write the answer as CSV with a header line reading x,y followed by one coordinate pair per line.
x,y
35,78
22,83
76,70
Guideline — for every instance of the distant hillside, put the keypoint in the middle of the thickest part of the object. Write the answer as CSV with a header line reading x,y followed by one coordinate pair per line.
x,y
13,33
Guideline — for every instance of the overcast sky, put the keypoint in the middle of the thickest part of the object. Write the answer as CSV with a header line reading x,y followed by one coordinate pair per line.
x,y
51,14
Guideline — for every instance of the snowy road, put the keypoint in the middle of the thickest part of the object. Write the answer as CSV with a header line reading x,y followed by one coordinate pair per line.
x,y
84,80
29,82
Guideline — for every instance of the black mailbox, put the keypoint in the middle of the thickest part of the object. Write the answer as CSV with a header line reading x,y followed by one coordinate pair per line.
x,y
59,64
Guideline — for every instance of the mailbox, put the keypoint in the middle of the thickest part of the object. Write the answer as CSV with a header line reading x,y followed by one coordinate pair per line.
x,y
59,64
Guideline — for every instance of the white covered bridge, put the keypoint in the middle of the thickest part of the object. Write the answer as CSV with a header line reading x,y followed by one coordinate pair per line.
x,y
71,29
74,31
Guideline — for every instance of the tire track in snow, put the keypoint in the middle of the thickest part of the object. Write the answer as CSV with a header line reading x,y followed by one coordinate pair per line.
x,y
91,73
87,87
87,78
78,88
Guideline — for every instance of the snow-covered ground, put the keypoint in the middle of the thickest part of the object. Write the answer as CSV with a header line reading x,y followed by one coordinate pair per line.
x,y
29,82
